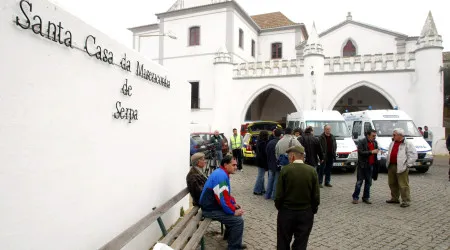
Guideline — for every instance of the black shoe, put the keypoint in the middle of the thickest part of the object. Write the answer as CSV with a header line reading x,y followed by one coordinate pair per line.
x,y
367,201
328,185
243,246
255,193
392,202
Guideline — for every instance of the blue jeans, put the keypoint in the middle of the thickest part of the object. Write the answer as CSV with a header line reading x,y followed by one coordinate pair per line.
x,y
219,156
234,225
272,184
259,185
363,175
325,168
430,143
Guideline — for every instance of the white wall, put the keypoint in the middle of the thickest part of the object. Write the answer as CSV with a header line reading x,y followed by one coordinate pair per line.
x,y
212,33
363,38
244,54
199,68
148,45
286,37
73,177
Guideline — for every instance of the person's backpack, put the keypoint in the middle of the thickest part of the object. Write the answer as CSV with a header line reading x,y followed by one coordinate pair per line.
x,y
283,159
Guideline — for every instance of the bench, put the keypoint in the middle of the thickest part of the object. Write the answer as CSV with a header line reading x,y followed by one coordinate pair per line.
x,y
186,234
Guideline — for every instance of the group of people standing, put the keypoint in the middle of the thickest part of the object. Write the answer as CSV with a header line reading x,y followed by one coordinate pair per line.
x,y
297,164
320,153
401,155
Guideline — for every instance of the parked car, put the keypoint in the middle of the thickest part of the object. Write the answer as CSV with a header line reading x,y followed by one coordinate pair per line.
x,y
197,144
206,138
248,149
256,126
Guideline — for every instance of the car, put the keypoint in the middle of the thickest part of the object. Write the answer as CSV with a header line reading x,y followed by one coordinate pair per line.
x,y
256,126
206,138
248,149
197,144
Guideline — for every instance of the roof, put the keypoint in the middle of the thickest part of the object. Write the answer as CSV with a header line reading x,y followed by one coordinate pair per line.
x,y
272,20
446,56
364,25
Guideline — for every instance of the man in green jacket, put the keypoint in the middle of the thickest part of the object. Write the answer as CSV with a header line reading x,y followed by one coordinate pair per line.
x,y
297,200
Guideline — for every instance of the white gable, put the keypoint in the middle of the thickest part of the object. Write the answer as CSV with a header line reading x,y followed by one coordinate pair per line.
x,y
366,41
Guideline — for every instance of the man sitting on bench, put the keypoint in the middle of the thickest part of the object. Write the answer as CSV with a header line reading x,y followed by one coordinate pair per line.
x,y
195,179
218,204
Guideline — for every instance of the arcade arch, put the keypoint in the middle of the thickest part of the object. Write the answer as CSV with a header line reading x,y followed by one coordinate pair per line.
x,y
269,104
362,97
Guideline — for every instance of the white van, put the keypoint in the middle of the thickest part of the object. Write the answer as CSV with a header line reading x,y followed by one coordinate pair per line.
x,y
384,122
346,155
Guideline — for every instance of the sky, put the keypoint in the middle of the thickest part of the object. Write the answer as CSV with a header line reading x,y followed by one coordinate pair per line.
x,y
402,16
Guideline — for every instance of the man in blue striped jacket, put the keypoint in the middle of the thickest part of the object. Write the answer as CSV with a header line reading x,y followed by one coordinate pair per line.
x,y
218,204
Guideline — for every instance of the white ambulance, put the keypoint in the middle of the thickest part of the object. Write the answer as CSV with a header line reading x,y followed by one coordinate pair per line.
x,y
384,122
346,155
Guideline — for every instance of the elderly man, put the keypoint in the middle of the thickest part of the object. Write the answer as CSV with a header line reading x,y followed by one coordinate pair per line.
x,y
329,146
367,160
313,150
195,179
218,204
217,141
402,154
297,200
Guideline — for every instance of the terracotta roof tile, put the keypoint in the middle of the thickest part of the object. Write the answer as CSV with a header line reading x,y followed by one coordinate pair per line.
x,y
272,20
446,56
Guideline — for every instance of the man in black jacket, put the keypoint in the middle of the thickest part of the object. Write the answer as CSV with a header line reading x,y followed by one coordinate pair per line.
x,y
312,147
328,144
272,165
367,160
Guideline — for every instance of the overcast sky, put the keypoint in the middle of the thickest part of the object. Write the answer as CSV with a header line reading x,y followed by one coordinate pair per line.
x,y
403,16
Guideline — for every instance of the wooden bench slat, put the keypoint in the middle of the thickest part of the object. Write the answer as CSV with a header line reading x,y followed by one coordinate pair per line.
x,y
126,236
187,232
180,226
192,244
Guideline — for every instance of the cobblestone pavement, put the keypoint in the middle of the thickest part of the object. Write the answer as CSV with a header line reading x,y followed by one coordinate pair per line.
x,y
339,224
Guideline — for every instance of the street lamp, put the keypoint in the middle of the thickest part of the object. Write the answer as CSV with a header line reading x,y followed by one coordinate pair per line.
x,y
168,34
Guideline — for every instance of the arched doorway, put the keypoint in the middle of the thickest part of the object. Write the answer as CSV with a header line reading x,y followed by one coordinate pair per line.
x,y
361,98
270,105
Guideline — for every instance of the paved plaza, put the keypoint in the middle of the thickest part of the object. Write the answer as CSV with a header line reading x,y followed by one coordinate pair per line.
x,y
339,224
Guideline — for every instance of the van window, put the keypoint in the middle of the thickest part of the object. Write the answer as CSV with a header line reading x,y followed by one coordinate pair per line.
x,y
296,125
291,124
357,125
367,126
386,127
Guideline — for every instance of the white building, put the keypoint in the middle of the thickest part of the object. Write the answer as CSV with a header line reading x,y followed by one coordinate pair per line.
x,y
262,67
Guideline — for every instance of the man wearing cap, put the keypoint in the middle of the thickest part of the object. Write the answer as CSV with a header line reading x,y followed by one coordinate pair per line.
x,y
297,200
195,179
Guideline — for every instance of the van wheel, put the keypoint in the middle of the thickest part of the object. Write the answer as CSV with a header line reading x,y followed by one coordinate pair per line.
x,y
351,170
422,170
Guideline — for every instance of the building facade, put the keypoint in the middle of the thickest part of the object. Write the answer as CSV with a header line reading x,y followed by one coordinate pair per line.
x,y
263,67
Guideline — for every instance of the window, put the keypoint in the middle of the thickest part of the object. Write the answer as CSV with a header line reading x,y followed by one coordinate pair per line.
x,y
253,48
349,49
356,132
290,124
367,127
195,100
277,51
241,38
194,36
339,127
